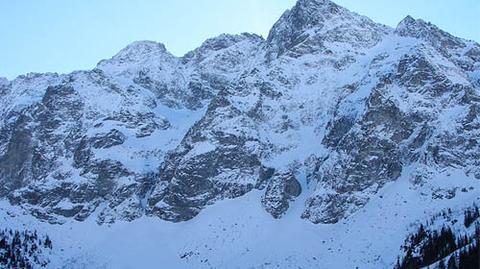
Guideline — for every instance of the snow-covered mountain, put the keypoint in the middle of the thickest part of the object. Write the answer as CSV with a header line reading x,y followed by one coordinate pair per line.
x,y
322,146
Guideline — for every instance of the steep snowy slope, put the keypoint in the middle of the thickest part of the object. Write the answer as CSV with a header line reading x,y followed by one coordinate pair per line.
x,y
327,140
240,234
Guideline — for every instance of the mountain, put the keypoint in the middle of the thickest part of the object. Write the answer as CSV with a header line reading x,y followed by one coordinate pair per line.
x,y
331,138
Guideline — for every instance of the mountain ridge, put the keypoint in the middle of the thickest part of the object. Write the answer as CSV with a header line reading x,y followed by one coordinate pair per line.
x,y
174,83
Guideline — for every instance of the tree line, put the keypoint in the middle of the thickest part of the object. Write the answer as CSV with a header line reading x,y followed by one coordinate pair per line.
x,y
443,248
23,249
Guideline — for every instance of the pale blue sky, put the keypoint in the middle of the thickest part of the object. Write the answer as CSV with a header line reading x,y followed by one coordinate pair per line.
x,y
62,36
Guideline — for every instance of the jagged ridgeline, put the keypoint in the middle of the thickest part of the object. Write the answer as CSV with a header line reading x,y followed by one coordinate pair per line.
x,y
445,241
331,94
24,249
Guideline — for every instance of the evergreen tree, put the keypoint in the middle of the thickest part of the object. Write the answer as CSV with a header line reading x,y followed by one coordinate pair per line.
x,y
452,262
441,264
18,249
48,243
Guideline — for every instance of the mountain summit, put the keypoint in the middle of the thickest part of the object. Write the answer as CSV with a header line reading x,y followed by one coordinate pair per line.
x,y
311,23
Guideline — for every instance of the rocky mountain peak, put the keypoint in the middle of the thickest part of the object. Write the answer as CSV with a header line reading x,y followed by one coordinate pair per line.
x,y
304,15
3,81
226,40
412,27
314,4
426,31
408,20
311,23
221,42
138,52
308,13
141,48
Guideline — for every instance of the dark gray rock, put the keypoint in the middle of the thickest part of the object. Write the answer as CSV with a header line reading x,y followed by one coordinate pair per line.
x,y
281,189
108,140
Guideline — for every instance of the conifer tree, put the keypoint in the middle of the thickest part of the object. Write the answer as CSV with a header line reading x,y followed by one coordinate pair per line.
x,y
452,262
441,264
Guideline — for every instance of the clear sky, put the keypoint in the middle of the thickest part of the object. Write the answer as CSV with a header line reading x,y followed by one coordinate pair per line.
x,y
66,35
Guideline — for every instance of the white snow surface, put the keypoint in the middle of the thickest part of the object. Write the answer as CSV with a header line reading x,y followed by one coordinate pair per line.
x,y
240,234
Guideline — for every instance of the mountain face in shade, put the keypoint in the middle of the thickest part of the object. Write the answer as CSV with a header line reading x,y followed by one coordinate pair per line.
x,y
322,119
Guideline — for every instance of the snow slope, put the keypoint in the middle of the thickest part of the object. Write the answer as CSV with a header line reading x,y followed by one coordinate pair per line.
x,y
240,234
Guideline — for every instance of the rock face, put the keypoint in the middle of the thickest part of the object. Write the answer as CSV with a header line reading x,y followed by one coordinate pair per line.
x,y
344,103
281,189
